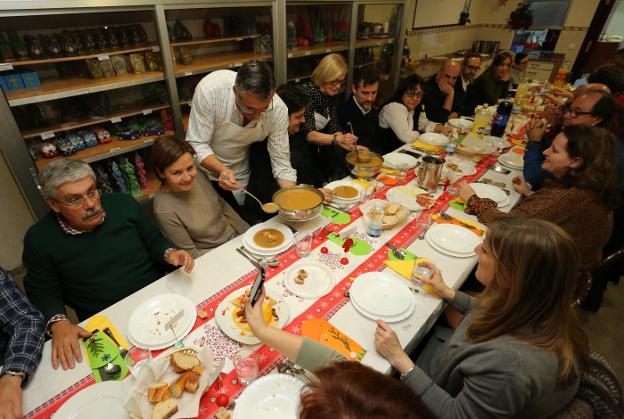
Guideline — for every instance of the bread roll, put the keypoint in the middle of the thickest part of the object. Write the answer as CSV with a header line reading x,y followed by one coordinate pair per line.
x,y
182,362
165,410
391,209
178,388
158,392
192,382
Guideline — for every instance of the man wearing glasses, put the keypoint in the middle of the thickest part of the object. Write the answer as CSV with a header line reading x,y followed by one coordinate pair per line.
x,y
230,111
471,65
89,252
592,107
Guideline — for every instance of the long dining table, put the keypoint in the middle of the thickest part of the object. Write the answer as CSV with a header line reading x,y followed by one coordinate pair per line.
x,y
223,270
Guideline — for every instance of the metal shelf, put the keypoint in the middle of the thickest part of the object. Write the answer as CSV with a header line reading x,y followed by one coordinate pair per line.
x,y
62,88
106,151
373,42
215,40
316,49
66,126
210,63
147,47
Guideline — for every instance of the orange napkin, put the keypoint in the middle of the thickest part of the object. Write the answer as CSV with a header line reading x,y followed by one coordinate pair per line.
x,y
459,222
322,331
387,180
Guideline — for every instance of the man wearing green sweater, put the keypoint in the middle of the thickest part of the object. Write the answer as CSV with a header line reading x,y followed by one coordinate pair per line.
x,y
89,252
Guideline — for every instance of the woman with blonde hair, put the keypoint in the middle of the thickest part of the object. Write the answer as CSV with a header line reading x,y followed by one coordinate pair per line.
x,y
321,127
520,349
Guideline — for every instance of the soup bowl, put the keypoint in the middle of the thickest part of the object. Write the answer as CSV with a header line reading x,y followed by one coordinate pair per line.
x,y
299,203
367,166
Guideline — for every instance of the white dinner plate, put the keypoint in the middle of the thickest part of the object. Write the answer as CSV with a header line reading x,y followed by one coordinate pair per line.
x,y
381,294
255,248
320,280
460,123
223,316
496,194
387,319
448,252
147,322
406,196
103,400
433,138
346,182
393,160
453,238
464,168
512,160
164,344
274,396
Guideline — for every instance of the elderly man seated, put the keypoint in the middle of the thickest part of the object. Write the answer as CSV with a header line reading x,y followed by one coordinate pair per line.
x,y
89,252
21,344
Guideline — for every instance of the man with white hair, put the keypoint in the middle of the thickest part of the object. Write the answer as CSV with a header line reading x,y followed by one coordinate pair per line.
x,y
89,252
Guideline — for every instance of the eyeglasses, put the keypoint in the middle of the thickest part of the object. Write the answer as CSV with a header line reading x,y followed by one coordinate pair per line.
x,y
338,82
575,112
246,110
415,94
473,67
92,195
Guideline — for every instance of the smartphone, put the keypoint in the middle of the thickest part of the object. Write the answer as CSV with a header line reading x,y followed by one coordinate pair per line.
x,y
256,288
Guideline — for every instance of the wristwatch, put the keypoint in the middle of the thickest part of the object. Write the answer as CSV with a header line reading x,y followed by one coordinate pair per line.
x,y
14,374
334,137
404,375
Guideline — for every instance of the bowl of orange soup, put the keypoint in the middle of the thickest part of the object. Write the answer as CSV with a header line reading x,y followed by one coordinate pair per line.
x,y
299,203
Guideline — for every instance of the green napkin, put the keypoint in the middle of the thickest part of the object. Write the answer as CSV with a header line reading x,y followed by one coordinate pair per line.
x,y
408,255
101,350
457,205
359,248
337,217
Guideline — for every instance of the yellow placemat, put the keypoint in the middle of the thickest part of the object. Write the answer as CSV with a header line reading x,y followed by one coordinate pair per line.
x,y
424,146
100,322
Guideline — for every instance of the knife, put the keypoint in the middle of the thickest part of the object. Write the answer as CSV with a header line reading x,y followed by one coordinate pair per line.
x,y
252,261
411,153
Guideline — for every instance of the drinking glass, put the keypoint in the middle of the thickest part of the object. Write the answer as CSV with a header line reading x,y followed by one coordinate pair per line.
x,y
403,169
304,246
136,358
246,365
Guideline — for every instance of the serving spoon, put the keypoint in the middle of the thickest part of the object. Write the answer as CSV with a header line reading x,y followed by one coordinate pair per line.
x,y
361,159
269,207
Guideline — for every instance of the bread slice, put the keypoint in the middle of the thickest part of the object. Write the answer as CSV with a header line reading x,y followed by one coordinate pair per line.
x,y
158,392
165,410
182,362
178,388
192,382
198,369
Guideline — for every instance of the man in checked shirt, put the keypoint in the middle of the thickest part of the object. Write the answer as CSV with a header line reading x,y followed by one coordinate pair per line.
x,y
21,344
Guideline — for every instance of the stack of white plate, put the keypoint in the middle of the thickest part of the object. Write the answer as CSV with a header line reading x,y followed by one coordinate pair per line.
x,y
345,201
103,400
492,192
394,160
460,123
274,396
146,326
378,295
249,243
452,240
433,138
512,160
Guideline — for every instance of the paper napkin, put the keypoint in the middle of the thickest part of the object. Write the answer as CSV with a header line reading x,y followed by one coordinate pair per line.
x,y
322,331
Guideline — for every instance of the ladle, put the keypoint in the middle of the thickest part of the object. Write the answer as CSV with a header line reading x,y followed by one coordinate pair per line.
x,y
269,207
361,159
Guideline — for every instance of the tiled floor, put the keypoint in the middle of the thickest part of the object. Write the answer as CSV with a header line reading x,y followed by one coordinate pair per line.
x,y
604,328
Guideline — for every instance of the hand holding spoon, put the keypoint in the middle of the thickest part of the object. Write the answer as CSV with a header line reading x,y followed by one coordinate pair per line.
x,y
269,207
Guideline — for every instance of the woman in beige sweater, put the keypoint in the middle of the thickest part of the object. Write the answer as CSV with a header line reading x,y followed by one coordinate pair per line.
x,y
579,199
188,209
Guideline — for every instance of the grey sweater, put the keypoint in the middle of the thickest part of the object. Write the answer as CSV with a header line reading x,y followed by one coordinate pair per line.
x,y
500,378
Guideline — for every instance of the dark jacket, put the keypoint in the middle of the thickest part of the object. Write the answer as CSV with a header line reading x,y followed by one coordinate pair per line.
x,y
434,101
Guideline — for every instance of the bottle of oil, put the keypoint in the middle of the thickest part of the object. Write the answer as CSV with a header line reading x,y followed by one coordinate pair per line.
x,y
481,121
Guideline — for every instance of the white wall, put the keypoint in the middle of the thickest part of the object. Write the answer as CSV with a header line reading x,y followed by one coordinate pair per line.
x,y
615,25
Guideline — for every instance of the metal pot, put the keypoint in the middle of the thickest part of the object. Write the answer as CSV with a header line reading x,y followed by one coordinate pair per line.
x,y
300,214
429,172
369,165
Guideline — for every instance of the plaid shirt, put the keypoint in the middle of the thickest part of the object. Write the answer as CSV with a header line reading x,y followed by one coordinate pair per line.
x,y
21,329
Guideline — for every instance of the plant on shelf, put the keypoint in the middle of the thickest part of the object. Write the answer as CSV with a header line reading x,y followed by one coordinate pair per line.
x,y
522,17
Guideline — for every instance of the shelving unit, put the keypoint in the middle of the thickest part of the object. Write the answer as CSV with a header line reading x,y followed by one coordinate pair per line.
x,y
261,33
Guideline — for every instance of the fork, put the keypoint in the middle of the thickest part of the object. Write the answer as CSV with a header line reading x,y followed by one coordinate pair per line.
x,y
169,325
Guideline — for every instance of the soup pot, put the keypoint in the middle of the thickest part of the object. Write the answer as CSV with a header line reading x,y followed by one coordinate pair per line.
x,y
428,173
303,214
367,166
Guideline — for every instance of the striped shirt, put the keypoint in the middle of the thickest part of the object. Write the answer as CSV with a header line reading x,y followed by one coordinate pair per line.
x,y
21,329
213,97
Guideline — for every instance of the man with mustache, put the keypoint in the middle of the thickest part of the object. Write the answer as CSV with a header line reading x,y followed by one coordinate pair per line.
x,y
89,252
358,111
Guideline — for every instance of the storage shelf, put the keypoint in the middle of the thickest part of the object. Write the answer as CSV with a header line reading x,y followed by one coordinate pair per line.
x,y
62,88
316,49
374,42
66,126
106,151
210,63
368,63
145,47
215,40
299,78
154,185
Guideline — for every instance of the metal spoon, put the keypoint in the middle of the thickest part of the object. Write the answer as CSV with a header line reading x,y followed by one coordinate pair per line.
x,y
399,253
112,370
361,159
269,207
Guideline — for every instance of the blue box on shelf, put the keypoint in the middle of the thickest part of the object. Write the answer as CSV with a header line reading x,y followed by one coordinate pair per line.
x,y
30,79
13,81
4,84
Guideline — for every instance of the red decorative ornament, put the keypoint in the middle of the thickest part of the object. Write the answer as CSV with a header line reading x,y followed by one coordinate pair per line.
x,y
347,245
223,400
344,261
324,250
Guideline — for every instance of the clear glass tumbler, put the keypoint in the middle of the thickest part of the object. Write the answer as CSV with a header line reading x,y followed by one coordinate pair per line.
x,y
246,365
